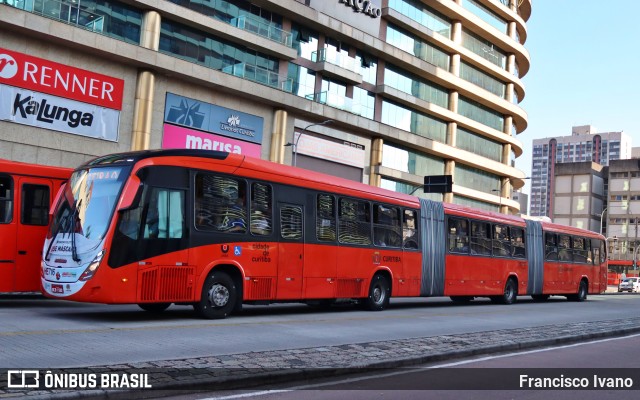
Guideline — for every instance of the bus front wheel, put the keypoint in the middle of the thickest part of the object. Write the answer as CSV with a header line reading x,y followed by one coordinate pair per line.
x,y
219,296
379,294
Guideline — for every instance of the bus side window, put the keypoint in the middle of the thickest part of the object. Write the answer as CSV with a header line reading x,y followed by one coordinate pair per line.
x,y
458,235
354,221
386,226
564,248
325,218
550,247
35,205
517,242
409,230
501,241
220,204
579,251
480,238
6,199
165,214
261,210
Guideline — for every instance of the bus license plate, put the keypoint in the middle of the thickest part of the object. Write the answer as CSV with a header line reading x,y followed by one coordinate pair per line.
x,y
57,289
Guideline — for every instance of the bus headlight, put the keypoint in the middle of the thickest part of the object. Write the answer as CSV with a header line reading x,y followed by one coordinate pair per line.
x,y
93,266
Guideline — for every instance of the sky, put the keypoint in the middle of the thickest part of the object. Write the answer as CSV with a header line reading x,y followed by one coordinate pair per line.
x,y
585,70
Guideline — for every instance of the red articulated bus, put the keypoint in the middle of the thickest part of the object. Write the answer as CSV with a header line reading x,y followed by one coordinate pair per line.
x,y
26,194
216,230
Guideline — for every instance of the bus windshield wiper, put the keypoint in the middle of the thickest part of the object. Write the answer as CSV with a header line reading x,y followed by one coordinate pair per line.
x,y
60,227
72,230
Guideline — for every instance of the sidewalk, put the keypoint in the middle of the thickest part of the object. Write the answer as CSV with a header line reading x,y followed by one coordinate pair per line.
x,y
256,369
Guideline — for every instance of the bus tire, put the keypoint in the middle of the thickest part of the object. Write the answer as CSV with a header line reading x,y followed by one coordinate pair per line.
x,y
155,308
540,297
379,293
582,292
509,294
218,298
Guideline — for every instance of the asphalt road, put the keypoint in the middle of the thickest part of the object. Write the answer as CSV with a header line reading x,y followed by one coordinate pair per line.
x,y
57,334
596,370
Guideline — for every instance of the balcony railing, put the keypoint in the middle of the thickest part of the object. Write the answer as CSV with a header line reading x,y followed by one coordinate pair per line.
x,y
61,11
260,75
340,102
332,56
263,29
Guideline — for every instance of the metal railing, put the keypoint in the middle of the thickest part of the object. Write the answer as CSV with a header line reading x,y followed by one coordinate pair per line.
x,y
61,11
260,75
334,57
339,102
263,29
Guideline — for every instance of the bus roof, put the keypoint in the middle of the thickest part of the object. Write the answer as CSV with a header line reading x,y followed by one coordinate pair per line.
x,y
27,169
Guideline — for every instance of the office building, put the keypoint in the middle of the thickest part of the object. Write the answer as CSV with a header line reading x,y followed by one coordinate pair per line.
x,y
584,144
411,88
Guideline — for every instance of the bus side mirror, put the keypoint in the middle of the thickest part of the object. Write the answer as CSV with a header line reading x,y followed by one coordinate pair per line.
x,y
131,194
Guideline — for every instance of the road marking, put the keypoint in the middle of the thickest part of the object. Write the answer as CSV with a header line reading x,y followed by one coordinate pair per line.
x,y
410,371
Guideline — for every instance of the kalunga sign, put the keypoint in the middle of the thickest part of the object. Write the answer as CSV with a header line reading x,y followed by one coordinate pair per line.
x,y
27,72
27,107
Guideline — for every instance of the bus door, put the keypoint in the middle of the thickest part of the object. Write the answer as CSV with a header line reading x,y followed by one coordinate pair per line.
x,y
291,251
8,230
33,200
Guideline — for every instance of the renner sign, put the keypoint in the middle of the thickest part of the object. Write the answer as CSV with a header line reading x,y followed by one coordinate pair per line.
x,y
46,94
27,72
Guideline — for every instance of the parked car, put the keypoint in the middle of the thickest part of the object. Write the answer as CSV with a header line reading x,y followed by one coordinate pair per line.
x,y
629,285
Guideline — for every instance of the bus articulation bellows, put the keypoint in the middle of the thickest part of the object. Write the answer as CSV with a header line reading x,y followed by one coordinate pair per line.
x,y
216,230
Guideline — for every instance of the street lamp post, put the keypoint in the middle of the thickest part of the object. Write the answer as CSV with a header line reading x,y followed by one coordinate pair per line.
x,y
602,219
294,145
499,191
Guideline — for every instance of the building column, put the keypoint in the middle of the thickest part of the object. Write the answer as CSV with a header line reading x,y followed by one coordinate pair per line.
x,y
276,154
145,86
376,160
449,169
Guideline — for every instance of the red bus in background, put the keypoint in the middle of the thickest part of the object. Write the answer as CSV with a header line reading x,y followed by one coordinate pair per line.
x,y
26,194
215,230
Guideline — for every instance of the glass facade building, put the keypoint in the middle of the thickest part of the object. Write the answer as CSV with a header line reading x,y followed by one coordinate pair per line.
x,y
412,87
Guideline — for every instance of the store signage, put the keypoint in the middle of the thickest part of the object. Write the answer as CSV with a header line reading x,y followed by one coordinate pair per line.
x,y
363,15
180,110
42,110
342,153
44,76
178,137
363,6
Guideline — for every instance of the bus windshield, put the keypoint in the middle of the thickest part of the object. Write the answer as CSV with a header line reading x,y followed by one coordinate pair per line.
x,y
88,202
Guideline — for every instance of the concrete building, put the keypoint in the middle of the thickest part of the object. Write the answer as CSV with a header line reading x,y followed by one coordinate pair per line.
x,y
584,144
411,87
623,209
580,196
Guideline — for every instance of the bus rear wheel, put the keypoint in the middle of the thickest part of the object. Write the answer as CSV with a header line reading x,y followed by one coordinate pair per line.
x,y
509,295
379,294
219,296
582,292
154,307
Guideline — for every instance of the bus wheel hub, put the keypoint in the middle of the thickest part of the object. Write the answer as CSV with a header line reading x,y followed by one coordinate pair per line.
x,y
219,295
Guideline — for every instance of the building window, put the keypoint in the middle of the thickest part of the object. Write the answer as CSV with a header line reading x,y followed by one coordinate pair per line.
x,y
483,80
474,143
484,49
413,121
415,86
420,49
486,15
479,113
417,11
